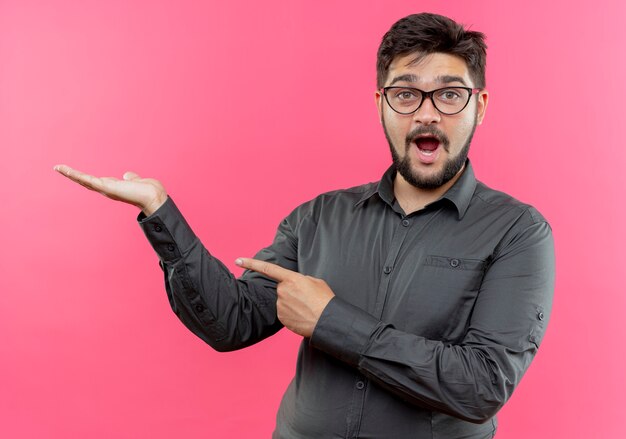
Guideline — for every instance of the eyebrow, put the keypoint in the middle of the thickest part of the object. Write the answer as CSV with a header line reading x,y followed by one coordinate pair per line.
x,y
442,79
404,78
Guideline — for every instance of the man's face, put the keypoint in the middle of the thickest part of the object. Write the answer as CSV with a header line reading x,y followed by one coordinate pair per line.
x,y
429,148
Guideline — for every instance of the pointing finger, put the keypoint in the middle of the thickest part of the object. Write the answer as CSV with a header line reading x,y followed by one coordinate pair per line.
x,y
268,269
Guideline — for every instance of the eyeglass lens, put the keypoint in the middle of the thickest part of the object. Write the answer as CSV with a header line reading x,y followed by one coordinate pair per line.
x,y
449,100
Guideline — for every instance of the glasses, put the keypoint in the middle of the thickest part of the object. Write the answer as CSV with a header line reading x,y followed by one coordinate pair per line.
x,y
448,100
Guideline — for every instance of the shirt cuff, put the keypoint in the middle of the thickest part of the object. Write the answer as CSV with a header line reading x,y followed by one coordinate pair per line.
x,y
344,331
167,231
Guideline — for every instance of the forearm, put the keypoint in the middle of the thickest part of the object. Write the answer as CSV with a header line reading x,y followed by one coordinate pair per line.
x,y
462,381
225,312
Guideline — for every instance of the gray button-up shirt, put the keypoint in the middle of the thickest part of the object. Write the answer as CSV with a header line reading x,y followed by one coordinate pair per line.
x,y
437,314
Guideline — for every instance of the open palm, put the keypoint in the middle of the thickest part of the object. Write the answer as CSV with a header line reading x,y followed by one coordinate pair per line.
x,y
147,194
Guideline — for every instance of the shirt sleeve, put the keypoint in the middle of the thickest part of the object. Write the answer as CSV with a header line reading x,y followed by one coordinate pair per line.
x,y
225,312
473,379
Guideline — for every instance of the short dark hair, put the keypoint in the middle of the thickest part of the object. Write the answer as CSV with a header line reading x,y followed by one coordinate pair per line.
x,y
427,33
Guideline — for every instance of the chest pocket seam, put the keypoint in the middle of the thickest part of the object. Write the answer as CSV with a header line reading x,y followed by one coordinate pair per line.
x,y
453,263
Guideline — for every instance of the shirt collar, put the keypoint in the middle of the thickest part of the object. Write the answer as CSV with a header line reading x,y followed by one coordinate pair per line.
x,y
460,194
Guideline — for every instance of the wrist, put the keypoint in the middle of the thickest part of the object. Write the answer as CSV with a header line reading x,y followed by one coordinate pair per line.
x,y
154,205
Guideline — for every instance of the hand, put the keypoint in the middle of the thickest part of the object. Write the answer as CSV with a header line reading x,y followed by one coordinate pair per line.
x,y
147,194
301,299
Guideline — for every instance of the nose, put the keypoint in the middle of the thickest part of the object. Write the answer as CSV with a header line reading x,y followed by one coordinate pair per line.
x,y
427,113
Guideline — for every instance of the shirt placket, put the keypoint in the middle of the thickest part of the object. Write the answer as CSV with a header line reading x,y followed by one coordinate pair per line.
x,y
402,229
413,223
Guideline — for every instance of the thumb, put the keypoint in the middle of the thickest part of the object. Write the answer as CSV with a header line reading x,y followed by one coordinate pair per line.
x,y
130,176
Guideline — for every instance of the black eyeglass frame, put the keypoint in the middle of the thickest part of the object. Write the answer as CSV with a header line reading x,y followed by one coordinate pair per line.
x,y
429,95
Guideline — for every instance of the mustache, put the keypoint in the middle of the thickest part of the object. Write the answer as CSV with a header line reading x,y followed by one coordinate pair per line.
x,y
419,131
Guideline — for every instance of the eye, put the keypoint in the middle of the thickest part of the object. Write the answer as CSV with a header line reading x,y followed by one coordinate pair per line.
x,y
406,95
449,94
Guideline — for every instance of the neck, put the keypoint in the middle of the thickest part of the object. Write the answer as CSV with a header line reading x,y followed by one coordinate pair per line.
x,y
412,199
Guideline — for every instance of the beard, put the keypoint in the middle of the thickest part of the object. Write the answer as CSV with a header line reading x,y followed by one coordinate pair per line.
x,y
451,167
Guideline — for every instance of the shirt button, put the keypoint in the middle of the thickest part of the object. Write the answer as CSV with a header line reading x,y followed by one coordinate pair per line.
x,y
406,223
199,307
360,385
454,262
170,247
540,315
387,269
157,228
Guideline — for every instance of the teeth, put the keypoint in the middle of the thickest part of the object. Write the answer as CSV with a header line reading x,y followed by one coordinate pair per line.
x,y
426,152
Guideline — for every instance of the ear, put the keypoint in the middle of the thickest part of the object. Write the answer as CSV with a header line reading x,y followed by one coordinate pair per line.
x,y
378,97
482,101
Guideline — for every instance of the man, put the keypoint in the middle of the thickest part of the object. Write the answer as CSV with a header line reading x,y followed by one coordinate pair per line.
x,y
421,299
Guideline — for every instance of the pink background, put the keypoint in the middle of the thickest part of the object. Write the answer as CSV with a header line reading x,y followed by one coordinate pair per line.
x,y
234,106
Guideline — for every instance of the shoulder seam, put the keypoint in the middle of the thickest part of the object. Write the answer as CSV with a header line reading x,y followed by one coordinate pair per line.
x,y
519,205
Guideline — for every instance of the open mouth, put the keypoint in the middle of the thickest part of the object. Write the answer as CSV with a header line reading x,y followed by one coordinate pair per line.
x,y
427,148
427,145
